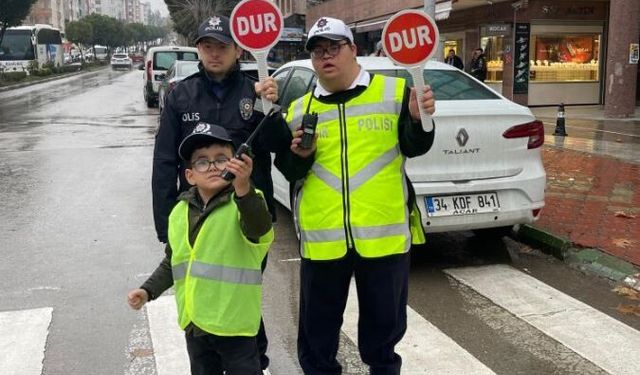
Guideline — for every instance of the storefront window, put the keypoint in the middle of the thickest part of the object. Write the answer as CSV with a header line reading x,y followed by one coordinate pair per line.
x,y
564,58
455,45
493,47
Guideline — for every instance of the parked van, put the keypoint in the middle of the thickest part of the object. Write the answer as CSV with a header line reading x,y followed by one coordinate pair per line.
x,y
157,62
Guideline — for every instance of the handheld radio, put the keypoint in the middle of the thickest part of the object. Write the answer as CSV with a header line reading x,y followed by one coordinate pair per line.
x,y
309,122
246,146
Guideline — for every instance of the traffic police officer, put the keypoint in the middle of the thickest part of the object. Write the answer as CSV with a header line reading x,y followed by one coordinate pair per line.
x,y
219,94
356,209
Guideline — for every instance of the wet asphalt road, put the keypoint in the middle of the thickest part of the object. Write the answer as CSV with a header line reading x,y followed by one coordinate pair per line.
x,y
77,233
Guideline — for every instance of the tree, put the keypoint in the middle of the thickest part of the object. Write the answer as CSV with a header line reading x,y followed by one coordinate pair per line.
x,y
80,32
12,13
188,14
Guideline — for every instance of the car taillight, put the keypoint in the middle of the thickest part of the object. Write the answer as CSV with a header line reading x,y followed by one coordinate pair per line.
x,y
534,130
149,70
536,212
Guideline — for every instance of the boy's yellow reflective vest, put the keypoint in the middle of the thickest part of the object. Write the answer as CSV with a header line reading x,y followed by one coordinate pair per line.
x,y
218,281
355,195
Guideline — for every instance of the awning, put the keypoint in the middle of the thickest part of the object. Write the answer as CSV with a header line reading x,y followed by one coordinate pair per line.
x,y
443,9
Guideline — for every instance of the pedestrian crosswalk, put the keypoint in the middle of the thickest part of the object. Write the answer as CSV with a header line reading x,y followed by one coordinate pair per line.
x,y
23,336
602,341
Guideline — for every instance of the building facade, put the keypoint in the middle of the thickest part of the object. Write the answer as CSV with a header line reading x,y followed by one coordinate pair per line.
x,y
539,52
49,12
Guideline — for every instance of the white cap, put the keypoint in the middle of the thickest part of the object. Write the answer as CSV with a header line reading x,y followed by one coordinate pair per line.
x,y
330,28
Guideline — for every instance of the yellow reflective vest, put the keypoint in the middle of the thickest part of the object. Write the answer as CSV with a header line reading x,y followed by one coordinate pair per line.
x,y
355,195
218,281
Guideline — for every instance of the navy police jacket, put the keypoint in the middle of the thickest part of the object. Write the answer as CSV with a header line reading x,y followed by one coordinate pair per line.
x,y
230,104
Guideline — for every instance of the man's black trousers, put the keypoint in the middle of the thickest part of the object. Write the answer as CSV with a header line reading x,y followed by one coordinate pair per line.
x,y
382,285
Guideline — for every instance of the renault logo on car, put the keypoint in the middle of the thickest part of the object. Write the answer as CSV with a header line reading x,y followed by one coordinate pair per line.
x,y
462,137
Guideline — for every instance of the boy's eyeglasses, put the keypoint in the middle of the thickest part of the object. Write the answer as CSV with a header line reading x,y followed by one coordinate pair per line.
x,y
203,165
333,50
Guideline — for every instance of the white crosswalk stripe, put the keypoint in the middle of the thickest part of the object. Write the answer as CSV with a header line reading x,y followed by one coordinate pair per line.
x,y
606,342
23,336
424,348
601,340
167,337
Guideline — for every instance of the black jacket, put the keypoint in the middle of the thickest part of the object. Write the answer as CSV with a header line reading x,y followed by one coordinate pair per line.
x,y
479,68
198,98
454,61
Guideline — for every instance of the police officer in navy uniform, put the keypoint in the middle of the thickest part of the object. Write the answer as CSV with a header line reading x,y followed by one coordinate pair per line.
x,y
219,93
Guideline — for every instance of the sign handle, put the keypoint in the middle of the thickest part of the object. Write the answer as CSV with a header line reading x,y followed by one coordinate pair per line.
x,y
417,73
263,73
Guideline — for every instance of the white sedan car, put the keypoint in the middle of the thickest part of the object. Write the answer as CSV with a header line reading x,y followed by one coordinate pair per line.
x,y
484,171
121,61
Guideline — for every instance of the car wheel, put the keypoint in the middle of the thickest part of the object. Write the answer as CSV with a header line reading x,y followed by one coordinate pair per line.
x,y
149,101
497,232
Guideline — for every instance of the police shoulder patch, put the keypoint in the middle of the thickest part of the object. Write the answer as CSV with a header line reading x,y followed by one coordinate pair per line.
x,y
246,108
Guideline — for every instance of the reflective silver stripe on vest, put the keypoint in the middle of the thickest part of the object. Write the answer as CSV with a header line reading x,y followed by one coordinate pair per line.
x,y
179,271
350,111
361,177
373,168
361,233
379,231
298,111
389,93
226,274
327,177
322,235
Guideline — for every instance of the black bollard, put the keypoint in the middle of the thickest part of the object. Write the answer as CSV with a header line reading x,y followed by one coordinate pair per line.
x,y
560,122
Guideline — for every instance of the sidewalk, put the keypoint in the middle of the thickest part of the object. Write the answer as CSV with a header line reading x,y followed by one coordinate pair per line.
x,y
593,189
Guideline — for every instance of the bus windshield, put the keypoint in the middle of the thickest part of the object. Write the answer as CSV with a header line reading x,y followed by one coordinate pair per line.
x,y
17,45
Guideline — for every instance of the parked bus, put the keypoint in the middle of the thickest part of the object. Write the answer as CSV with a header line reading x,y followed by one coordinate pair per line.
x,y
23,44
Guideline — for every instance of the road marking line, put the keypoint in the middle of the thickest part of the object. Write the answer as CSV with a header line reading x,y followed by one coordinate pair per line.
x,y
169,347
424,348
23,336
606,342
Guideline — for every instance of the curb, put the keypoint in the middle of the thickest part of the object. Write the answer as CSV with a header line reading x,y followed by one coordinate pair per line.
x,y
55,78
591,260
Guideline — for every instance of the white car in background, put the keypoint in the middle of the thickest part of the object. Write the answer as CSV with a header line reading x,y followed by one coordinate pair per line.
x,y
484,171
121,61
156,63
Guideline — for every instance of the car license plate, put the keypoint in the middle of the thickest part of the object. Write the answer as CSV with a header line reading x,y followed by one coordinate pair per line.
x,y
469,204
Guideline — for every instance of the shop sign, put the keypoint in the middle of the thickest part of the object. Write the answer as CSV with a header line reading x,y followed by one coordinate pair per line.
x,y
521,59
497,29
292,34
634,53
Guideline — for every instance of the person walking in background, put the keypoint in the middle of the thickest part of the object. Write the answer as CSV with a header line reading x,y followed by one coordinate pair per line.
x,y
218,93
453,60
355,210
478,68
219,233
379,51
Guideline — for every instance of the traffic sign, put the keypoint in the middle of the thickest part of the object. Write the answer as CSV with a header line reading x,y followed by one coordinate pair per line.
x,y
256,26
409,39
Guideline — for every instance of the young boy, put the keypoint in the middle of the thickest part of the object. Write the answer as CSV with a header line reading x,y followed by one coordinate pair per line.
x,y
219,233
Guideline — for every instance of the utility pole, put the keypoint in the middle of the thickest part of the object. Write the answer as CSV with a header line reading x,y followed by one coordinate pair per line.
x,y
430,9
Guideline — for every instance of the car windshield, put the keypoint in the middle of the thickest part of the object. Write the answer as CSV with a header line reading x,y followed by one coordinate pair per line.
x,y
120,56
447,84
185,70
163,60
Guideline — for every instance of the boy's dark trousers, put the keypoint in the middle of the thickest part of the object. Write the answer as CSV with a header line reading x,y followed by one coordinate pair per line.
x,y
382,285
211,354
